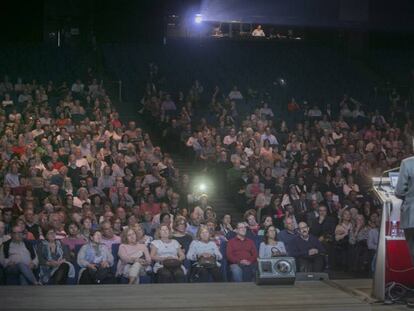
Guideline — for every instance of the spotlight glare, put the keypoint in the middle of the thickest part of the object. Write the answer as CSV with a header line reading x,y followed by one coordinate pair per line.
x,y
202,187
198,18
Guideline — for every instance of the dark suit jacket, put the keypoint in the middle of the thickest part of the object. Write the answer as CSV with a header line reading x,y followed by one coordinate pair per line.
x,y
301,213
327,227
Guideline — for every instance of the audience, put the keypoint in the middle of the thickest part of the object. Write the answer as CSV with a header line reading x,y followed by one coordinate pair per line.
x,y
70,166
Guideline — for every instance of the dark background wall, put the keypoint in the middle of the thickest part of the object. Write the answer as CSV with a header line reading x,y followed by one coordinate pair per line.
x,y
365,14
144,20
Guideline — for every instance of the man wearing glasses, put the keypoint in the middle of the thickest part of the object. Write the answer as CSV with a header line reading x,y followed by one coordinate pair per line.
x,y
19,258
242,255
308,251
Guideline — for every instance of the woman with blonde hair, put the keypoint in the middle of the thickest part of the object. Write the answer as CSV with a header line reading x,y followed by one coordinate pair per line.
x,y
134,257
206,255
342,235
142,238
168,257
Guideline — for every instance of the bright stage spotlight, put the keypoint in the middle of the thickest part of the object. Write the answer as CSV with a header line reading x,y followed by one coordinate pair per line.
x,y
202,187
198,18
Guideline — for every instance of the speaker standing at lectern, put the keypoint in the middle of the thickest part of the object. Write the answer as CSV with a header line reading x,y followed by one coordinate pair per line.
x,y
405,191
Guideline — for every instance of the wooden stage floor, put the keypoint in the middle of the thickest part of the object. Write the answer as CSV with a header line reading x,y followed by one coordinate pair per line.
x,y
311,295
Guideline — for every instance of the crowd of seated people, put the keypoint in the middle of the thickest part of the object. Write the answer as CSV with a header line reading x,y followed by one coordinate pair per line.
x,y
305,170
87,198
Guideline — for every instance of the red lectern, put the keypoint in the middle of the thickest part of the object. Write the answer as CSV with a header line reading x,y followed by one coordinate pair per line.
x,y
393,261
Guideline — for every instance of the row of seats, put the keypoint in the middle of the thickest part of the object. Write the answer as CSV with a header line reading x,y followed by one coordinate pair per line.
x,y
149,278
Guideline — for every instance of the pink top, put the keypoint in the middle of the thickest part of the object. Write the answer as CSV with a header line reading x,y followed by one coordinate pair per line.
x,y
129,253
71,243
109,242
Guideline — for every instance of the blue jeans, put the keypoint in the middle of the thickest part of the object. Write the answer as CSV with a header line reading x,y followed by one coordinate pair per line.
x,y
22,271
242,273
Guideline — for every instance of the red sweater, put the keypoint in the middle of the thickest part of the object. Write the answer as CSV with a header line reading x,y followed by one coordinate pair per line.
x,y
241,249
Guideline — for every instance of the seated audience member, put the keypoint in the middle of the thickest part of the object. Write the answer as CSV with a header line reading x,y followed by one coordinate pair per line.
x,y
203,205
54,257
194,224
242,255
134,257
258,32
142,238
372,240
288,235
31,225
216,236
225,225
168,257
86,227
28,236
266,223
164,210
3,236
250,218
341,244
308,251
180,233
150,206
19,258
206,255
271,247
323,226
359,254
108,236
147,223
74,237
95,261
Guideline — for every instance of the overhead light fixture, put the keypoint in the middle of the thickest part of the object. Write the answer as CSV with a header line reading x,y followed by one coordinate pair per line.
x,y
198,18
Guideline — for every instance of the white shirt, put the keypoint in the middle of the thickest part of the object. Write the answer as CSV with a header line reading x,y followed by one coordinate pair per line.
x,y
265,250
314,113
228,140
77,88
193,142
266,111
37,132
165,250
45,121
6,103
272,139
235,95
198,247
258,33
82,162
18,253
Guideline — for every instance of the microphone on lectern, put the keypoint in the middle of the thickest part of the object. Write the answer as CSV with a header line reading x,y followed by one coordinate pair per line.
x,y
385,172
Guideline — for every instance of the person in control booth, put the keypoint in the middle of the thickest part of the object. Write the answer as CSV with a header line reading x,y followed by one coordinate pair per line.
x,y
258,32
